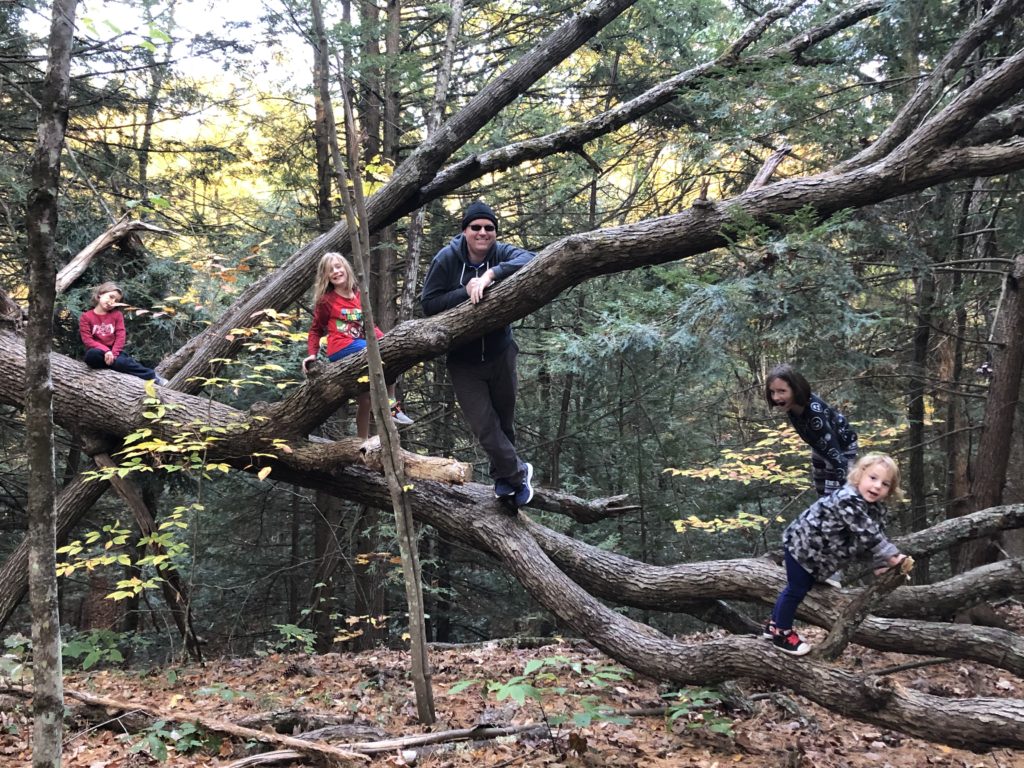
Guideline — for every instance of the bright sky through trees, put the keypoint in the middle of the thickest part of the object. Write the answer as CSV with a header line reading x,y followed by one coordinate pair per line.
x,y
181,22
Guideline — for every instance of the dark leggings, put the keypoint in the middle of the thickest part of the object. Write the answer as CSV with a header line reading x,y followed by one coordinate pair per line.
x,y
122,364
799,583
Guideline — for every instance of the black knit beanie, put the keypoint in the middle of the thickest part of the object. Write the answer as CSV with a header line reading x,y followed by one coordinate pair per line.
x,y
479,210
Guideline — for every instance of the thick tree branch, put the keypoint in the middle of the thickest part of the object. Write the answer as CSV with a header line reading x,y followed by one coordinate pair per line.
x,y
572,138
984,95
934,85
74,268
287,284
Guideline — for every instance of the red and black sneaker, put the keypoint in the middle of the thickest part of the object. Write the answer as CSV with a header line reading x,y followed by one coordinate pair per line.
x,y
789,641
769,630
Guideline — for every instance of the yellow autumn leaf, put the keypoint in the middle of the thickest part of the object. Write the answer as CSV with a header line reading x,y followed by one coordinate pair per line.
x,y
262,474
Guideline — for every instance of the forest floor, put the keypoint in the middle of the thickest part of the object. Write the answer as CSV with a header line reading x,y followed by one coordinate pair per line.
x,y
589,712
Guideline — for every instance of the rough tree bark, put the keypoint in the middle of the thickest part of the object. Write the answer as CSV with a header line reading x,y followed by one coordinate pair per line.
x,y
966,137
1000,407
41,227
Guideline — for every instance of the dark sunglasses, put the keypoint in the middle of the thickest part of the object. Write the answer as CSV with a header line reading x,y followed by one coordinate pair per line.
x,y
484,227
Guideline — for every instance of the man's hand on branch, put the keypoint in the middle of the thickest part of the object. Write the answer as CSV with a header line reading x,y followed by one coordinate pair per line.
x,y
475,287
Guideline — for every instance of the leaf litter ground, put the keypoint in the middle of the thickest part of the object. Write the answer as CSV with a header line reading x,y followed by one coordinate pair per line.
x,y
595,714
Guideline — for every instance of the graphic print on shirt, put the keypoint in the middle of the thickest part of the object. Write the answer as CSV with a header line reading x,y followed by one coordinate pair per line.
x,y
102,329
351,323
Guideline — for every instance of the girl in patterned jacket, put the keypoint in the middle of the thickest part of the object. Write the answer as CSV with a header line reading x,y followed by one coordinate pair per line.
x,y
831,532
833,441
339,316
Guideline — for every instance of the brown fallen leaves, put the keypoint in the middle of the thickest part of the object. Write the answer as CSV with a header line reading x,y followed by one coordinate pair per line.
x,y
596,715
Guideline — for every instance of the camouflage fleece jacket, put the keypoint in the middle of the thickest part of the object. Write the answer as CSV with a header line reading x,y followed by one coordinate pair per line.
x,y
836,529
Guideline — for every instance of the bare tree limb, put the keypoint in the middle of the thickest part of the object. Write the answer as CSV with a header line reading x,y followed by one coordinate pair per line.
x,y
856,610
311,749
74,268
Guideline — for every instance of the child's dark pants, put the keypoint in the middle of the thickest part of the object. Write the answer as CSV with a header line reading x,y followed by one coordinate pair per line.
x,y
122,364
799,584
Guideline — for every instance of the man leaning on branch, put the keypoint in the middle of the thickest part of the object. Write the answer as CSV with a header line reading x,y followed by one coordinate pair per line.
x,y
483,371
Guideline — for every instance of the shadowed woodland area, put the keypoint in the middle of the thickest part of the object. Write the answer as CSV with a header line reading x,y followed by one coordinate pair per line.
x,y
709,189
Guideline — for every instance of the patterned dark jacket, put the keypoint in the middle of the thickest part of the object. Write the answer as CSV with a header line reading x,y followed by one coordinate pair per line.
x,y
837,529
828,433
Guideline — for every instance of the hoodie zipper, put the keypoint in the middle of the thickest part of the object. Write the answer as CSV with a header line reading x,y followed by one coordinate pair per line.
x,y
483,346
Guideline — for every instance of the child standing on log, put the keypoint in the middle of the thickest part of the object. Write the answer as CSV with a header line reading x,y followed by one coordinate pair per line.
x,y
831,532
833,441
339,316
103,334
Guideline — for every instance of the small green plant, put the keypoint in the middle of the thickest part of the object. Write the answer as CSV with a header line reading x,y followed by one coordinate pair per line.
x,y
697,709
295,638
181,737
14,663
540,680
94,647
223,692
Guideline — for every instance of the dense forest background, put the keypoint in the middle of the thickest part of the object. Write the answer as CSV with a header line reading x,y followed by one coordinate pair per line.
x,y
647,382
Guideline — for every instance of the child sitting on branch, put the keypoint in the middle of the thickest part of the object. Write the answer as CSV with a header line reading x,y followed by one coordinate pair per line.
x,y
103,334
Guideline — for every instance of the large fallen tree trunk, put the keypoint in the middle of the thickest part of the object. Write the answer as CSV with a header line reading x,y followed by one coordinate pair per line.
x,y
965,138
459,511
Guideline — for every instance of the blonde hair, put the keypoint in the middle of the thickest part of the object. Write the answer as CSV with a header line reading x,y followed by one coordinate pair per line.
x,y
106,287
323,274
869,460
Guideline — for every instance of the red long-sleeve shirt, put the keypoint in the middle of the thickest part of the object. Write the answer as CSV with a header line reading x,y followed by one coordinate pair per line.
x,y
103,332
340,319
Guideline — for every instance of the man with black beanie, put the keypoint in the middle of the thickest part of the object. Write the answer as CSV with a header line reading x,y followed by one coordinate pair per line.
x,y
483,371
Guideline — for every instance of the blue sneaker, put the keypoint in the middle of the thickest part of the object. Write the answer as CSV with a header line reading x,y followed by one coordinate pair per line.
x,y
503,489
525,493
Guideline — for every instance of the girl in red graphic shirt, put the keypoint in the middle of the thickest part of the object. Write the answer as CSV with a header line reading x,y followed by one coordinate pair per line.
x,y
339,316
102,332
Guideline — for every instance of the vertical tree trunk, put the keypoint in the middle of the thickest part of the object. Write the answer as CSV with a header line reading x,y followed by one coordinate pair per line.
x,y
1000,408
321,77
443,442
294,550
916,388
370,592
366,90
391,448
433,119
157,71
956,439
385,247
323,601
41,228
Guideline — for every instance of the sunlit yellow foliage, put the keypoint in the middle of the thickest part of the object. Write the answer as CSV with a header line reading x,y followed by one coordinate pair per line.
x,y
744,521
780,457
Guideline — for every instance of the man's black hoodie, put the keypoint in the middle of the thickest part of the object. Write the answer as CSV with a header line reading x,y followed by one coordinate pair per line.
x,y
444,287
